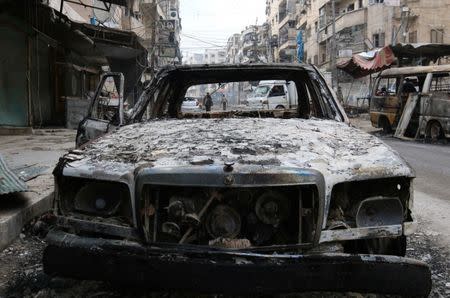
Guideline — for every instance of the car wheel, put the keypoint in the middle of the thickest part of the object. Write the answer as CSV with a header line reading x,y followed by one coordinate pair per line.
x,y
385,125
435,132
279,107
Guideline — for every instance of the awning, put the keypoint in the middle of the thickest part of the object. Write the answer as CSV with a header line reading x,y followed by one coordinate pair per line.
x,y
97,46
366,63
106,4
363,64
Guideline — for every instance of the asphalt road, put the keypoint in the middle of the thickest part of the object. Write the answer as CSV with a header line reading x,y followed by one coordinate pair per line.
x,y
431,163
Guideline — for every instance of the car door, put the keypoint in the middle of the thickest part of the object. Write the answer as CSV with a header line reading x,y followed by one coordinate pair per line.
x,y
277,98
384,103
105,111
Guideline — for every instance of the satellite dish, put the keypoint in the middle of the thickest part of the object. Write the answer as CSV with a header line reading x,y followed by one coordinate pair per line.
x,y
101,15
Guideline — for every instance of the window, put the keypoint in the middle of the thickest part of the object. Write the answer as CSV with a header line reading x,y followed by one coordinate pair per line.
x,y
378,40
413,37
277,90
437,35
360,4
351,7
316,26
440,82
386,86
322,17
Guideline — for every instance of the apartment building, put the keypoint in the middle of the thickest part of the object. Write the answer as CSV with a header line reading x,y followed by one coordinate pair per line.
x,y
233,46
281,17
214,56
143,17
362,25
209,56
193,58
250,46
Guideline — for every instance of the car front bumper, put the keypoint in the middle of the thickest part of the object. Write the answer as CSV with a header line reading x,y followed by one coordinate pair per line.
x,y
230,272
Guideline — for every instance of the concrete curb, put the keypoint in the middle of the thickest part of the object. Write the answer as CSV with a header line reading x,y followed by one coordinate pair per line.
x,y
26,208
10,130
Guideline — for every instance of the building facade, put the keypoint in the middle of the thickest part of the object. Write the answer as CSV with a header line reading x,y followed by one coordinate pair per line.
x,y
252,45
157,23
359,25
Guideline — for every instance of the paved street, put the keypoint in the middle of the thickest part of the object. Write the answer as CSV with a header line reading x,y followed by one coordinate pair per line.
x,y
432,165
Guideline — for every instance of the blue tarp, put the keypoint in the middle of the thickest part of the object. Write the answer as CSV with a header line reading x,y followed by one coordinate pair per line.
x,y
300,46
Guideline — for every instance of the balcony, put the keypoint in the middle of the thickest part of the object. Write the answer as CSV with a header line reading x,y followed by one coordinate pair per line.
x,y
288,43
346,20
286,19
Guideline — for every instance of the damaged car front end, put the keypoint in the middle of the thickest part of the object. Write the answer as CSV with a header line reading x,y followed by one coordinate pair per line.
x,y
237,205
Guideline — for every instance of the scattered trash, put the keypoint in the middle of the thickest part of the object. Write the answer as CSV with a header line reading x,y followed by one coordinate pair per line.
x,y
9,182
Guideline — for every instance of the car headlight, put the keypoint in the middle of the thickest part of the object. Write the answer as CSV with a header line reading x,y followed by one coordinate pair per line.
x,y
370,203
379,211
94,198
98,198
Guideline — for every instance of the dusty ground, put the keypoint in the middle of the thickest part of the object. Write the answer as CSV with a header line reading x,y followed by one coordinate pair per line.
x,y
21,273
41,149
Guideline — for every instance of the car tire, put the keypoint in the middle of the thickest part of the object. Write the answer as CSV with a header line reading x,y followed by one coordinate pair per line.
x,y
385,125
434,132
279,107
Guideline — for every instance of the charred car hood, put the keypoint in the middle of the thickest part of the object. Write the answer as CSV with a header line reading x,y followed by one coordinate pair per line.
x,y
337,150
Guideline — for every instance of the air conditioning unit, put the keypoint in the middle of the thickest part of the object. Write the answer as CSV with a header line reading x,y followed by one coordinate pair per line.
x,y
173,15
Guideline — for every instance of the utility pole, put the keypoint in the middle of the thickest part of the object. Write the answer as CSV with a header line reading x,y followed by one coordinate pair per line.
x,y
333,46
405,22
154,12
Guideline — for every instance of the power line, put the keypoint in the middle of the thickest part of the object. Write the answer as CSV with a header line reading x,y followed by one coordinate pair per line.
x,y
203,41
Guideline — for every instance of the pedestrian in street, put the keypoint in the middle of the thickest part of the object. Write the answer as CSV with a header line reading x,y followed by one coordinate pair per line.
x,y
208,102
224,102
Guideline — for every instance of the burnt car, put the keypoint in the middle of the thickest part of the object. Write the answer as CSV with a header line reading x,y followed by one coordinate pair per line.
x,y
234,202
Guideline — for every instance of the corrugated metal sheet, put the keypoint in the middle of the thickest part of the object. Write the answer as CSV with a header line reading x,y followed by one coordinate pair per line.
x,y
9,182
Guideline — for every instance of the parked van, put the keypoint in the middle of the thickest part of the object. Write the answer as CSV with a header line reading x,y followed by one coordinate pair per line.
x,y
274,95
429,90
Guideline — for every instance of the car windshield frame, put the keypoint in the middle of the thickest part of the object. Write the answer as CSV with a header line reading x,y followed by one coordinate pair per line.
x,y
165,94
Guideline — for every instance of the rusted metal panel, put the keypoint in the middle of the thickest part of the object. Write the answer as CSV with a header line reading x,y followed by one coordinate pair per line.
x,y
361,233
9,182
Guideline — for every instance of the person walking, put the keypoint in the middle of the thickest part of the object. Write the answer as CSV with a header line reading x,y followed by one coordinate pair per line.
x,y
224,102
208,102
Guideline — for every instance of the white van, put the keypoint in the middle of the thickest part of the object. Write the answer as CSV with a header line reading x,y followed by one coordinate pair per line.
x,y
274,95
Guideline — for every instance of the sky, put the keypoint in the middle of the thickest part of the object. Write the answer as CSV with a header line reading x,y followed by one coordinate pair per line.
x,y
209,23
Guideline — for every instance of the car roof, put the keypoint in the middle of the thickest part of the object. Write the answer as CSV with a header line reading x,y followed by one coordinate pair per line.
x,y
414,70
214,73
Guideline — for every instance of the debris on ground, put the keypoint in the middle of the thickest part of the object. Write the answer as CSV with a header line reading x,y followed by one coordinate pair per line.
x,y
22,275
